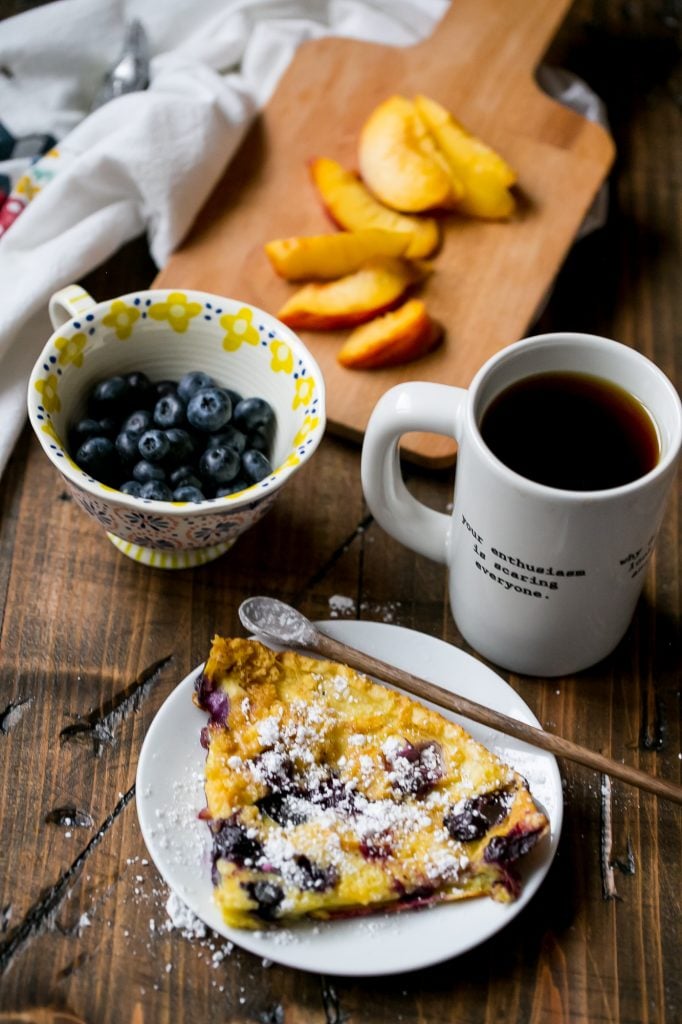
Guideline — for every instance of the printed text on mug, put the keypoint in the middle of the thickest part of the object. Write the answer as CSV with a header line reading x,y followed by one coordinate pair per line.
x,y
514,574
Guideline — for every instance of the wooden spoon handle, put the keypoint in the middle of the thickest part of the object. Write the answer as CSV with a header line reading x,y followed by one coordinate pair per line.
x,y
487,716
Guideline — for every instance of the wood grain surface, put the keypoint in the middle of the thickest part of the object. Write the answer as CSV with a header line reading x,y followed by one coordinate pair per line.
x,y
489,278
91,644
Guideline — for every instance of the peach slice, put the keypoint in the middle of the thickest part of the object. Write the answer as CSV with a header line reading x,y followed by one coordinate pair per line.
x,y
351,206
397,337
375,288
332,256
482,172
399,161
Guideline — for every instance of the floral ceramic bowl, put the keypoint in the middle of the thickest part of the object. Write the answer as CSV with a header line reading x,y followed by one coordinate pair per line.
x,y
165,334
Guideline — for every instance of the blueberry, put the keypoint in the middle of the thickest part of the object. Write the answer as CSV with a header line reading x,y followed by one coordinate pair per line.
x,y
203,687
268,896
108,397
377,846
255,466
217,703
133,487
195,455
219,465
472,819
169,411
209,409
259,440
126,446
418,767
234,396
231,841
506,849
284,809
332,792
157,490
229,436
278,773
154,445
184,475
145,471
232,488
313,876
181,447
416,897
138,422
97,456
185,492
140,390
192,382
82,430
108,427
252,414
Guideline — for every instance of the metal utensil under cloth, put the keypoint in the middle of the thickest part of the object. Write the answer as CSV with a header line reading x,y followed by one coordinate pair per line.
x,y
130,73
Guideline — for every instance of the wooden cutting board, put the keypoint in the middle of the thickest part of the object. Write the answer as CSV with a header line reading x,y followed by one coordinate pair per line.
x,y
488,278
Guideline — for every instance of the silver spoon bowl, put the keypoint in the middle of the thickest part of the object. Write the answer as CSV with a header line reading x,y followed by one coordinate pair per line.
x,y
278,622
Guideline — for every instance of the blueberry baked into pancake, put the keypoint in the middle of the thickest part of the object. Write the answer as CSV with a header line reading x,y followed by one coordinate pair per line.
x,y
329,795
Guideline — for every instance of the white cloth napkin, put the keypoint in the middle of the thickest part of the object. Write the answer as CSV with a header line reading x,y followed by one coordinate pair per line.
x,y
145,161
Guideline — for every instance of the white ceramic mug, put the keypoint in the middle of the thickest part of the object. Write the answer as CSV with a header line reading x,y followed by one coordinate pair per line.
x,y
543,581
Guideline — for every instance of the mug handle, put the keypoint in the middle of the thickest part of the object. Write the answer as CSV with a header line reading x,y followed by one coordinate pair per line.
x,y
413,406
67,303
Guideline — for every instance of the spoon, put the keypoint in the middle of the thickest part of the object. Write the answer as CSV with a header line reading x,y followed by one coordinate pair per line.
x,y
130,73
279,623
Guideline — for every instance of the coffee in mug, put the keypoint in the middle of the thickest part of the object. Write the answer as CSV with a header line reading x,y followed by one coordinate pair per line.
x,y
572,431
567,447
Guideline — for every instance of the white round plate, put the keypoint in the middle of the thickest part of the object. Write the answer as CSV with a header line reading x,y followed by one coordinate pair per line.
x,y
170,795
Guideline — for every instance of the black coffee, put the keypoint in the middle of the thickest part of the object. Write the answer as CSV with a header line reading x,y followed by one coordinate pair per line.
x,y
571,430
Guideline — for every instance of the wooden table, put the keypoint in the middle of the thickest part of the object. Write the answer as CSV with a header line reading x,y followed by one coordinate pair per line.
x,y
82,624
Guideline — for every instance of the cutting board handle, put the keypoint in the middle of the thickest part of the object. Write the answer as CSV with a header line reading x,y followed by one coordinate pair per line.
x,y
484,33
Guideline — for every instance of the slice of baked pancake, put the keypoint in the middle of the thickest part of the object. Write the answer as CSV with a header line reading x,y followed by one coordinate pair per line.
x,y
329,795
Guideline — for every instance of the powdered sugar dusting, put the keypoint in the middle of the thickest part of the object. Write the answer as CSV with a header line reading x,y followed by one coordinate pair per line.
x,y
177,830
268,731
182,918
344,607
341,606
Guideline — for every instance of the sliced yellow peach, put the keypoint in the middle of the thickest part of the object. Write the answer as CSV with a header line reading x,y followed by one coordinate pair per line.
x,y
351,206
396,337
486,198
375,288
484,175
399,161
330,256
457,139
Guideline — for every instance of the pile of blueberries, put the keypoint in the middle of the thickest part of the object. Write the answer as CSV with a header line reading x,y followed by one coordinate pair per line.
x,y
189,440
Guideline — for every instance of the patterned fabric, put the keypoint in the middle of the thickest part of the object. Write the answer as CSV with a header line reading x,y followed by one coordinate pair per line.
x,y
37,161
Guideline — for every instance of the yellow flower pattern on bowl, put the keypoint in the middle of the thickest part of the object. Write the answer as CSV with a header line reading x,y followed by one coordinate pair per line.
x,y
71,349
239,329
121,318
177,309
305,387
282,356
47,388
